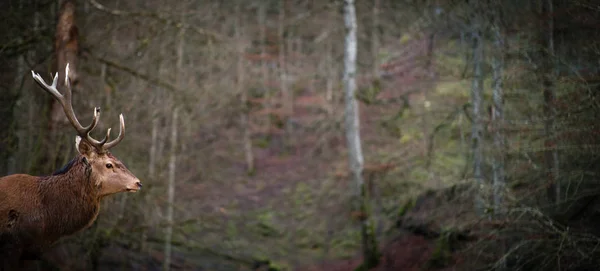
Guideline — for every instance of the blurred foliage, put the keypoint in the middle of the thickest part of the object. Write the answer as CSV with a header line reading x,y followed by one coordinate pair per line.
x,y
293,209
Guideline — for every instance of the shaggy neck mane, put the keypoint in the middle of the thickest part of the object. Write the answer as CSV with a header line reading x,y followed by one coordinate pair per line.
x,y
70,198
66,168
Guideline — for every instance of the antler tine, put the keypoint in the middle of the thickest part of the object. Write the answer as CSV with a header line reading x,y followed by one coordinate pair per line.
x,y
100,143
68,108
119,137
50,89
66,102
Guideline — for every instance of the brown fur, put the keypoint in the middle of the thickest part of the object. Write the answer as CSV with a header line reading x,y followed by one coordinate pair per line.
x,y
35,212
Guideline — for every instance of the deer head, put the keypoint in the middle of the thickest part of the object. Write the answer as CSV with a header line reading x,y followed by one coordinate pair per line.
x,y
108,173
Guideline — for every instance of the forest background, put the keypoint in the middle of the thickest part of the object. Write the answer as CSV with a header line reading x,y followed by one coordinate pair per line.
x,y
478,127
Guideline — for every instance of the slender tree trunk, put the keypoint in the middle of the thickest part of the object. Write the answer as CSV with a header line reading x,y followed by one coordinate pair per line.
x,y
173,153
430,73
241,88
108,100
361,197
171,191
151,173
498,121
547,55
264,68
378,216
288,100
331,78
477,128
375,39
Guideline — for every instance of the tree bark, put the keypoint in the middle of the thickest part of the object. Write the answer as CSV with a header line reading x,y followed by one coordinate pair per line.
x,y
331,78
173,152
477,126
151,172
356,160
264,69
498,121
66,49
241,88
288,100
547,58
171,191
375,39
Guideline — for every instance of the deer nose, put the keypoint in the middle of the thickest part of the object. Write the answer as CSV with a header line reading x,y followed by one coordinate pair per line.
x,y
139,184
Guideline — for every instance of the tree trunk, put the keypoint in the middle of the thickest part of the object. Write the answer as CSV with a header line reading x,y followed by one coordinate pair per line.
x,y
264,69
331,78
498,121
241,88
361,197
547,58
151,173
173,153
378,216
430,74
171,191
375,39
288,100
66,50
66,46
477,128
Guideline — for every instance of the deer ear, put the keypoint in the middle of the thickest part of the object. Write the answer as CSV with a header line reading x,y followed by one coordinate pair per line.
x,y
82,146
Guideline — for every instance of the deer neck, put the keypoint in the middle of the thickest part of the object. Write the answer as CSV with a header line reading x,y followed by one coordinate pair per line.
x,y
70,199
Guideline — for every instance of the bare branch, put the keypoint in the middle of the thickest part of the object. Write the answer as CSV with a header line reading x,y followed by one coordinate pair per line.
x,y
145,77
159,17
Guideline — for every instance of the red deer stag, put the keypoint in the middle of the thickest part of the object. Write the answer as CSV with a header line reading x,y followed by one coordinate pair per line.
x,y
35,212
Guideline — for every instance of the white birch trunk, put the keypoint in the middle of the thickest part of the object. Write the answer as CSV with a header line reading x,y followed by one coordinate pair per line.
x,y
355,155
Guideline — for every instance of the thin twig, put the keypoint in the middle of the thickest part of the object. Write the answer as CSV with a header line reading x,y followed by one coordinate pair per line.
x,y
159,17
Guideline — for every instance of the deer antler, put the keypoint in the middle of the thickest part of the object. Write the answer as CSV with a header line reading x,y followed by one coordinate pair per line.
x,y
66,102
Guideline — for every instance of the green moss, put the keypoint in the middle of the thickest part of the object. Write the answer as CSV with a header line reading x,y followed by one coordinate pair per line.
x,y
274,266
456,89
419,175
407,206
346,244
361,267
265,225
251,172
303,195
231,229
262,142
368,94
442,252
405,139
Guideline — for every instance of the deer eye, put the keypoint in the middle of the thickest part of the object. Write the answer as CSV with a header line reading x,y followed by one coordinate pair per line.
x,y
109,165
